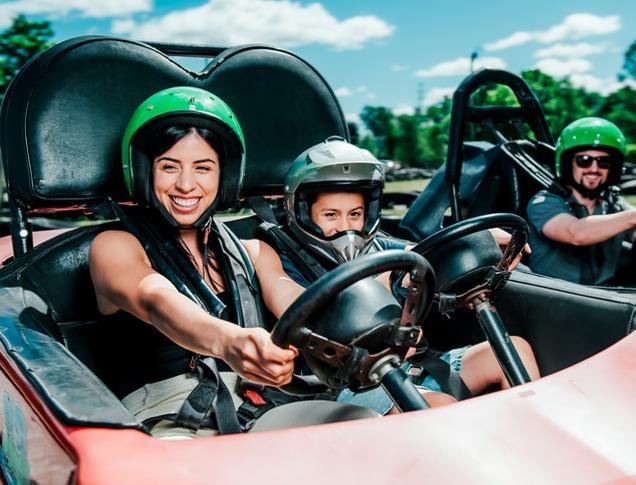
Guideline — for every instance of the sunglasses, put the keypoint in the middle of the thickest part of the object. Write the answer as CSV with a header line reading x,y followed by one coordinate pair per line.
x,y
585,161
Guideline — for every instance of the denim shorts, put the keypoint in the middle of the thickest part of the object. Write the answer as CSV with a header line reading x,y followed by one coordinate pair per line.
x,y
377,398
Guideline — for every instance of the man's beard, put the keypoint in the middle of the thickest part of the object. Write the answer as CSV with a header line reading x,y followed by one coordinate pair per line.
x,y
587,192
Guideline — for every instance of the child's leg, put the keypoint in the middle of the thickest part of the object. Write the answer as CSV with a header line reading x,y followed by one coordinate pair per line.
x,y
434,399
480,369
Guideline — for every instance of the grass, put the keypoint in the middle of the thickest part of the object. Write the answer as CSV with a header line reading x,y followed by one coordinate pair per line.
x,y
420,184
406,185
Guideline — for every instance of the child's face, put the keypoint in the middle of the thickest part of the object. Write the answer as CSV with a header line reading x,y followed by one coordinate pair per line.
x,y
336,212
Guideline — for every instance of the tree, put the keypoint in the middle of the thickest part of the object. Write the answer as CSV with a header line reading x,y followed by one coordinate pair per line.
x,y
22,40
407,145
561,101
379,120
629,65
619,107
354,133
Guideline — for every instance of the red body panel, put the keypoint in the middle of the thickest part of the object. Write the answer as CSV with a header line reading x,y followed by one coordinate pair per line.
x,y
6,249
34,443
577,426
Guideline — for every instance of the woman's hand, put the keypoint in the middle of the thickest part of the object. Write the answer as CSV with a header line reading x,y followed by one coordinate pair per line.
x,y
251,353
502,238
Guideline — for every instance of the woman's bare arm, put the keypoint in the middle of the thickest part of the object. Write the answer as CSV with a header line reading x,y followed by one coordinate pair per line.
x,y
279,290
124,279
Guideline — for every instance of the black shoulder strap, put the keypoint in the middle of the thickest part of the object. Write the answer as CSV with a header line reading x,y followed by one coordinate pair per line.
x,y
306,263
168,258
243,283
163,256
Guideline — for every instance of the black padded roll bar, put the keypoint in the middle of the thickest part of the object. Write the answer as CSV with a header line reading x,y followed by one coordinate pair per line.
x,y
529,109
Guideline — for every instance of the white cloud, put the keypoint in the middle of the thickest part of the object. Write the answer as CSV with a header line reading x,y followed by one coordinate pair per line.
x,y
562,68
398,67
581,49
603,86
578,25
460,67
60,8
574,26
435,95
403,109
353,118
518,38
344,91
285,23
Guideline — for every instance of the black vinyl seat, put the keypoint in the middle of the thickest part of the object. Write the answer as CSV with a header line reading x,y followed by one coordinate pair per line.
x,y
495,178
61,125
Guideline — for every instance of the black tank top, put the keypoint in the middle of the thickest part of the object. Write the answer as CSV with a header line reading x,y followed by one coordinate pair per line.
x,y
142,354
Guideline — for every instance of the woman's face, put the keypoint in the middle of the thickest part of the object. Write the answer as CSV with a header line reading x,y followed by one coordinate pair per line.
x,y
336,212
186,178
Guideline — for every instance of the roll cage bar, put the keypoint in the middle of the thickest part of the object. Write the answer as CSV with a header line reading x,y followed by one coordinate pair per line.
x,y
462,113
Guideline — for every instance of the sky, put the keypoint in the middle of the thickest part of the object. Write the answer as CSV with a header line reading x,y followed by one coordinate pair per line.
x,y
394,53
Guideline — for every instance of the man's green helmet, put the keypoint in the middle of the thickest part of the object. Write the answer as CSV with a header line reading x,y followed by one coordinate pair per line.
x,y
590,133
183,106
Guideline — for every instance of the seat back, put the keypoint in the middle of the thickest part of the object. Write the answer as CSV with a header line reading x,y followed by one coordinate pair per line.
x,y
61,125
495,178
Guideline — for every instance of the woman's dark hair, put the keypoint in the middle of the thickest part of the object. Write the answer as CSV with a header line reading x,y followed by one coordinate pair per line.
x,y
161,140
158,141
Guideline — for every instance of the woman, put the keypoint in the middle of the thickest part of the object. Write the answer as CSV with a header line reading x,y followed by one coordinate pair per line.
x,y
183,156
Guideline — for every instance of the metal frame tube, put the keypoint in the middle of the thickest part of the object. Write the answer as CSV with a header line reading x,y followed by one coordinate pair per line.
x,y
21,230
402,391
502,346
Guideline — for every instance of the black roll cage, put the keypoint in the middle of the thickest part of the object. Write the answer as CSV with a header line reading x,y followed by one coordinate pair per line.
x,y
462,113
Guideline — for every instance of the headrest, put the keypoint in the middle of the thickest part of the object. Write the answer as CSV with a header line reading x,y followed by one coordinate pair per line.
x,y
63,116
284,106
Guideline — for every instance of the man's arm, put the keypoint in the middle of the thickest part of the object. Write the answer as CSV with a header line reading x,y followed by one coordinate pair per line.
x,y
589,230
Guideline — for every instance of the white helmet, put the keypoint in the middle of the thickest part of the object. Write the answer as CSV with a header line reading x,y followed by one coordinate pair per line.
x,y
334,166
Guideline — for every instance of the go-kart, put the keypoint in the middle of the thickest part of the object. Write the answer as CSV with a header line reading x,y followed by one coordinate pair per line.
x,y
498,157
62,120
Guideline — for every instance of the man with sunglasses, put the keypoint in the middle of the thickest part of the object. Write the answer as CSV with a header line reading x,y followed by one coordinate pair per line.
x,y
579,238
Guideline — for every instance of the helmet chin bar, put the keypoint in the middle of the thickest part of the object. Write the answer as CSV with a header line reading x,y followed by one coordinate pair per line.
x,y
347,245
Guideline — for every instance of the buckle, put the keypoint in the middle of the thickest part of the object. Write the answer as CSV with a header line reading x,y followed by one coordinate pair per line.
x,y
254,397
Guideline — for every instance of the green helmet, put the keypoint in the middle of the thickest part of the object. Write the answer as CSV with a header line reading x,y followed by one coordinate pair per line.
x,y
183,106
590,133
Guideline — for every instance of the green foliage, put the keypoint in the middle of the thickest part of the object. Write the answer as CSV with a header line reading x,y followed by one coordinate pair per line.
x,y
381,122
629,65
407,146
562,102
421,139
368,142
354,134
619,107
22,40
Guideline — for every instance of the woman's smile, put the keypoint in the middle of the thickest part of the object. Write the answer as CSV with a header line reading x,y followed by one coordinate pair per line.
x,y
186,178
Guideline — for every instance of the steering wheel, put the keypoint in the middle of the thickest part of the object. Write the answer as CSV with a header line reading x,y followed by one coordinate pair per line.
x,y
478,270
470,282
354,363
